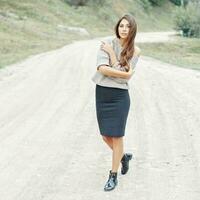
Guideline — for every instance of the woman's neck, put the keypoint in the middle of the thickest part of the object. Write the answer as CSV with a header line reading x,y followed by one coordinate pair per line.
x,y
121,41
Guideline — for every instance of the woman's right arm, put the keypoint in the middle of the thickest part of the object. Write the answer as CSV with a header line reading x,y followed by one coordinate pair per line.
x,y
108,71
104,66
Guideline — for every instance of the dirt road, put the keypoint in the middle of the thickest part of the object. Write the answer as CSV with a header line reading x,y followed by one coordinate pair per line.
x,y
49,141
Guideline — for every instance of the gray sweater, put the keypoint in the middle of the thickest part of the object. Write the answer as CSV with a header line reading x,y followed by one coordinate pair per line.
x,y
103,59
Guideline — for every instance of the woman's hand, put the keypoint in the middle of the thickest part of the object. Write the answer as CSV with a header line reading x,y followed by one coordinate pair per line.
x,y
130,72
110,51
107,48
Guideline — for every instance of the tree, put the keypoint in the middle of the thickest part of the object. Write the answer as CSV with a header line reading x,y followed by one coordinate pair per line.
x,y
180,2
76,2
187,19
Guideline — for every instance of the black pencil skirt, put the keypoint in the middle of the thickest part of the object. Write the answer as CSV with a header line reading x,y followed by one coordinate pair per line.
x,y
112,108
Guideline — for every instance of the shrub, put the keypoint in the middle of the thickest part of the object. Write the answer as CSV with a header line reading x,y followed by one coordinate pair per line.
x,y
76,2
156,2
84,2
145,4
188,20
98,2
195,19
178,2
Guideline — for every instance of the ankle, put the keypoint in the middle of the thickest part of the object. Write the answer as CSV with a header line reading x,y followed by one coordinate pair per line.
x,y
112,181
113,174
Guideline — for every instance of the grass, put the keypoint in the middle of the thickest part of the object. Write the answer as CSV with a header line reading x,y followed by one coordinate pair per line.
x,y
183,52
34,27
153,18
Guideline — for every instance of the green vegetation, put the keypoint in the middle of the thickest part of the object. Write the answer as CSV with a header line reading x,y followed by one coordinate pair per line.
x,y
187,19
180,2
183,52
29,27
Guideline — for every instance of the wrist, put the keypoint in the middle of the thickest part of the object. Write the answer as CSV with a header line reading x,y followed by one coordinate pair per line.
x,y
113,57
115,64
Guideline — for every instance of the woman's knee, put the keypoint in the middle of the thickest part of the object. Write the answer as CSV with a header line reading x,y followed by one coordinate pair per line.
x,y
106,138
117,139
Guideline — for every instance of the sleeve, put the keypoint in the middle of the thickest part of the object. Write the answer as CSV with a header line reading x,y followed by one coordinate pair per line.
x,y
133,61
119,67
102,58
119,80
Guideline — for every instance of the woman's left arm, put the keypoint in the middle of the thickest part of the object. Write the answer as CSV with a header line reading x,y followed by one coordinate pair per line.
x,y
110,51
106,47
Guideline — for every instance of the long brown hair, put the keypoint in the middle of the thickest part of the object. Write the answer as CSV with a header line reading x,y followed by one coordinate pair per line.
x,y
129,43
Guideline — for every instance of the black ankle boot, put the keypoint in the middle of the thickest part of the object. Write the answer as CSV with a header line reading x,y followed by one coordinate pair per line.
x,y
112,181
125,162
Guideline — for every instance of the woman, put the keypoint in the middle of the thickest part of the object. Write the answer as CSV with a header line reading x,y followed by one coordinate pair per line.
x,y
116,60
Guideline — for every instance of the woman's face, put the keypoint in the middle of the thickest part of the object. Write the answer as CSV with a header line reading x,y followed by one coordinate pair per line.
x,y
123,29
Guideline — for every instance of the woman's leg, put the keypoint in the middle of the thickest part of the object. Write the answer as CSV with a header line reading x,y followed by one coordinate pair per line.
x,y
108,141
117,152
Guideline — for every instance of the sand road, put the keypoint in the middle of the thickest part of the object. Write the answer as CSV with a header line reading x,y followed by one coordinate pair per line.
x,y
50,147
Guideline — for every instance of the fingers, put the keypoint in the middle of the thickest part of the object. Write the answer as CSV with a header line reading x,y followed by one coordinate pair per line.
x,y
106,47
102,43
